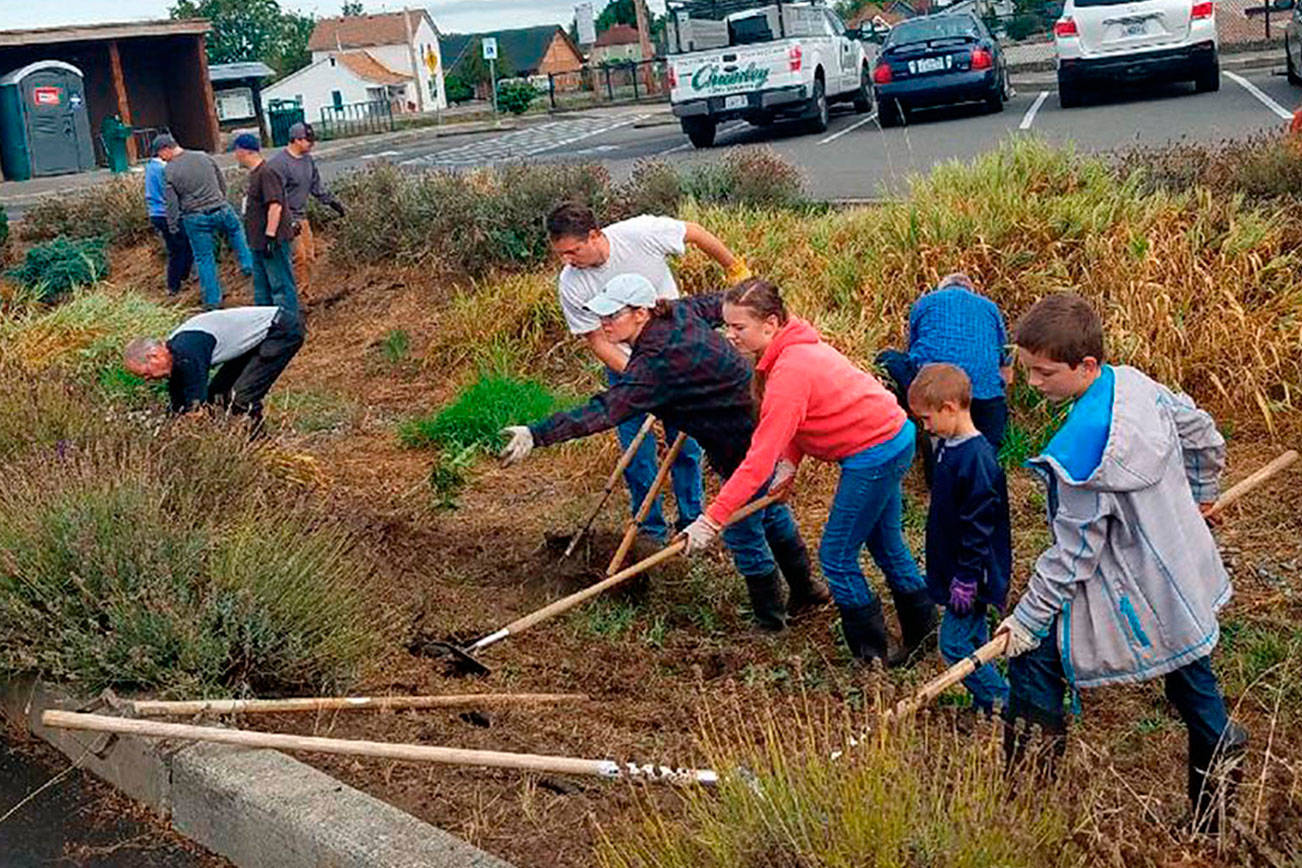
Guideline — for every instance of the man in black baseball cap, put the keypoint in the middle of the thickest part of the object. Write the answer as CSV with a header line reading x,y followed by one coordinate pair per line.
x,y
298,171
266,224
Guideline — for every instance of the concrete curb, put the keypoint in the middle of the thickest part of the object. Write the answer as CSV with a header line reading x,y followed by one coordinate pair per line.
x,y
257,808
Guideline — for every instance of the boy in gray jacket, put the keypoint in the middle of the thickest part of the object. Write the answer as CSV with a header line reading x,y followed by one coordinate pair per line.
x,y
1130,587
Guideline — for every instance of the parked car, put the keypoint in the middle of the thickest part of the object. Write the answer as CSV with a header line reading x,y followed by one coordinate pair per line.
x,y
1293,44
1101,42
939,60
762,62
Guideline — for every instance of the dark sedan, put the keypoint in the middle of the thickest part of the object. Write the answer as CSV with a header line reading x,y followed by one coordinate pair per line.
x,y
939,60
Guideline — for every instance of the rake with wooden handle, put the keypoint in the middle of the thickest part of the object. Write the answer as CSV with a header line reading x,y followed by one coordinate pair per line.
x,y
624,461
463,658
184,708
1251,482
630,532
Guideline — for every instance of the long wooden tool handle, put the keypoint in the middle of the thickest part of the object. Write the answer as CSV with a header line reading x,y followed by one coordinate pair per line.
x,y
159,708
348,747
956,673
566,603
1256,479
620,466
630,532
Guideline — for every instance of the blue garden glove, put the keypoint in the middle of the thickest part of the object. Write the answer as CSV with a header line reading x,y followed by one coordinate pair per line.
x,y
962,596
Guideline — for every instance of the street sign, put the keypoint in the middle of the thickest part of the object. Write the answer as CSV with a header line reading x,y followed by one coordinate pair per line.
x,y
585,24
490,48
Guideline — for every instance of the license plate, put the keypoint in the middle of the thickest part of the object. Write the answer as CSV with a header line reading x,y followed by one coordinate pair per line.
x,y
931,64
734,102
1135,29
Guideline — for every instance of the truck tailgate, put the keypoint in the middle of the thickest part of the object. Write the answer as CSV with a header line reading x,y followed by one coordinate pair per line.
x,y
745,68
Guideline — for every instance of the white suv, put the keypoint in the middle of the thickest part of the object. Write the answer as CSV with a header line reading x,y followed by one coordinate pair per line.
x,y
1106,41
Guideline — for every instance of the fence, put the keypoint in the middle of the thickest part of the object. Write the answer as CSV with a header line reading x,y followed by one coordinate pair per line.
x,y
609,83
355,119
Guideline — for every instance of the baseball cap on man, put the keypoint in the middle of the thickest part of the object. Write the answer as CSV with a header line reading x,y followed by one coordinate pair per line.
x,y
621,291
301,130
246,142
162,141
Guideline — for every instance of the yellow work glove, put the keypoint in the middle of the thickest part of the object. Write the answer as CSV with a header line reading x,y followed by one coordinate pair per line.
x,y
737,272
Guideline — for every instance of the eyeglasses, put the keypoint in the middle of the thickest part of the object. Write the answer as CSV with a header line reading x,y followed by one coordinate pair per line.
x,y
609,318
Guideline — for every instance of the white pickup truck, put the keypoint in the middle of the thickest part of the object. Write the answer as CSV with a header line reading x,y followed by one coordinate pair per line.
x,y
762,62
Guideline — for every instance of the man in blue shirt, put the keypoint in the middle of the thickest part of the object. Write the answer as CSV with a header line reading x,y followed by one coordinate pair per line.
x,y
179,256
956,325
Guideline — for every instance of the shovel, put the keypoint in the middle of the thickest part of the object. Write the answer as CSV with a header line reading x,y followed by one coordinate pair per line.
x,y
463,659
624,460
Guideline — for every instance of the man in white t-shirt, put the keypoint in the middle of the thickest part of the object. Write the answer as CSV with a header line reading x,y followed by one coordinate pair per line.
x,y
592,256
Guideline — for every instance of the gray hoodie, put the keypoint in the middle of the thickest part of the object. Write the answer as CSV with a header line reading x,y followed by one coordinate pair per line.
x,y
1133,570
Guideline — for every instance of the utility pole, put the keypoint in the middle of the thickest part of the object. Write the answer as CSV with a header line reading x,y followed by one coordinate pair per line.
x,y
644,38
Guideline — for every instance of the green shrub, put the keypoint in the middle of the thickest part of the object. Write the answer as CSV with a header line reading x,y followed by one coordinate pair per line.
x,y
515,96
114,209
755,177
155,564
1022,26
458,90
653,187
4,232
57,266
478,413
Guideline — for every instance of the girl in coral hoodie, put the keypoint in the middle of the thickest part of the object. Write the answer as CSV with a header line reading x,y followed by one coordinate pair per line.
x,y
816,402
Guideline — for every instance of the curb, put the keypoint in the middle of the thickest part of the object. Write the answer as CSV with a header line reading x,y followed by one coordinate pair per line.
x,y
257,808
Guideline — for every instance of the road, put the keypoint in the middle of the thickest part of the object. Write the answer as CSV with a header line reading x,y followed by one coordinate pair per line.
x,y
855,158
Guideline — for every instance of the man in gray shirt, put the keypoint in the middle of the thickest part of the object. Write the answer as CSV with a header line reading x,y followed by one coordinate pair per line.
x,y
196,201
298,171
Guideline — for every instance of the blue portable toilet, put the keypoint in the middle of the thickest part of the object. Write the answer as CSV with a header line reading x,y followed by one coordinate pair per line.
x,y
44,121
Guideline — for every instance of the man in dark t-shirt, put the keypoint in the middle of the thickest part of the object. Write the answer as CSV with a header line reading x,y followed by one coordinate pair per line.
x,y
268,228
252,344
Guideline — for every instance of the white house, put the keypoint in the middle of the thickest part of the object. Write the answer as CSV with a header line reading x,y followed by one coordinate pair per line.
x,y
392,56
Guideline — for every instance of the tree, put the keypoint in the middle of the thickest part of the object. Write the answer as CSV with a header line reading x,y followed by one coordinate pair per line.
x,y
624,12
245,30
474,69
352,8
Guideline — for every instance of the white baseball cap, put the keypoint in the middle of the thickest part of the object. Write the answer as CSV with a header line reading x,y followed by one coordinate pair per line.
x,y
621,291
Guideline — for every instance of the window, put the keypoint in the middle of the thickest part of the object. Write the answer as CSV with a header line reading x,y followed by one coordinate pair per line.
x,y
376,94
337,98
235,104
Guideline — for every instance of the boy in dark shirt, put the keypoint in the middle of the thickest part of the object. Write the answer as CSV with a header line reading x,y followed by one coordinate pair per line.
x,y
969,539
252,344
268,228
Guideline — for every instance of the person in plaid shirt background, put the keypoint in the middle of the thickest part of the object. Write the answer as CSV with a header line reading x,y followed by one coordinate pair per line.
x,y
683,371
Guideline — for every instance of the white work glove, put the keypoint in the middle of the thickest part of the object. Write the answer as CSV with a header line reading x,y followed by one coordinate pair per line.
x,y
1020,637
518,447
784,477
700,535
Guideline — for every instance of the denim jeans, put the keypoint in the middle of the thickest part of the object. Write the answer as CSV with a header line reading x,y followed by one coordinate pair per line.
x,y
751,541
201,229
273,278
685,475
866,510
179,258
960,636
1037,683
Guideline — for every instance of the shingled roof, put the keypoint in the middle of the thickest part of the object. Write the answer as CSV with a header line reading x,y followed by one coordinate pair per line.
x,y
366,67
525,47
618,34
365,31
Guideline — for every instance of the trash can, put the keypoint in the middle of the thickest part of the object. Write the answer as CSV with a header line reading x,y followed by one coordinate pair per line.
x,y
281,115
115,136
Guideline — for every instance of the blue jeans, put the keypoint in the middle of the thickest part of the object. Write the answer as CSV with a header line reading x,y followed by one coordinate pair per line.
x,y
751,540
866,510
1037,683
201,229
960,636
685,474
273,278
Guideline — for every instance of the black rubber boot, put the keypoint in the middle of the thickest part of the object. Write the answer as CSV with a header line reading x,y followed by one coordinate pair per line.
x,y
766,601
865,631
805,593
1214,775
918,622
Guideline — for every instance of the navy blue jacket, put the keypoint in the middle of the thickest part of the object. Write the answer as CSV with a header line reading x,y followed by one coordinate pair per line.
x,y
968,530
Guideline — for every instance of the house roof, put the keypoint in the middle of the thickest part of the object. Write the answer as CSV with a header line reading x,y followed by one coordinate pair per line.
x,y
871,12
525,47
365,31
617,34
96,32
364,65
236,71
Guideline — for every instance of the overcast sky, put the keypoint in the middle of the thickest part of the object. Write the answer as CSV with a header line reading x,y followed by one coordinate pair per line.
x,y
450,15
